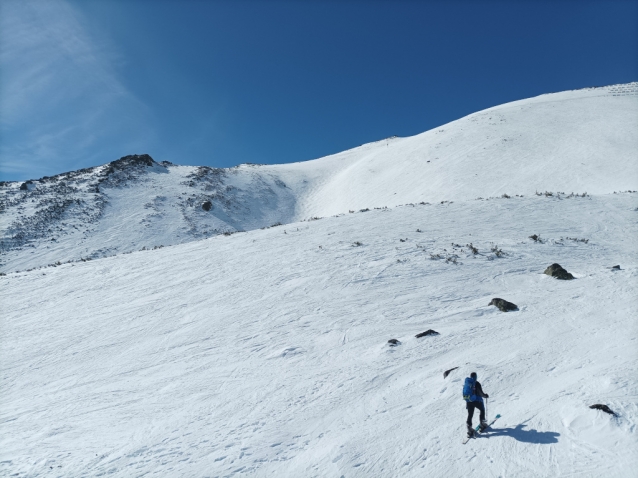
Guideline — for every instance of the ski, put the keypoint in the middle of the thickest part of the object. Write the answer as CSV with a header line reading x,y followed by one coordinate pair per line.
x,y
477,429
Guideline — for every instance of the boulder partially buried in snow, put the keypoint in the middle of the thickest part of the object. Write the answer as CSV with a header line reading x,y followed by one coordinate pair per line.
x,y
207,206
447,372
604,408
427,332
556,270
503,305
393,342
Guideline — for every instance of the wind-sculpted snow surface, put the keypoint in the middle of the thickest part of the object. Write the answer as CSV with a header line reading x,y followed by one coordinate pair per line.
x,y
265,353
575,141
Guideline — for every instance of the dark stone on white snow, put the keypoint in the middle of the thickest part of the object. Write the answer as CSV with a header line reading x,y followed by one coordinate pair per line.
x,y
604,408
207,206
24,187
555,270
132,160
394,342
427,332
447,372
615,268
503,305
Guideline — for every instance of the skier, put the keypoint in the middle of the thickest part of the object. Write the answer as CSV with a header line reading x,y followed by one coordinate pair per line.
x,y
473,395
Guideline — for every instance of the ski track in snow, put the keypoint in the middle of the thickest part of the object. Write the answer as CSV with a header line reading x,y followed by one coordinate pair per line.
x,y
265,353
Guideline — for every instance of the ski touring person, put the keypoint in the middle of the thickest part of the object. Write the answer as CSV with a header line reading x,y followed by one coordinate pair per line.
x,y
473,396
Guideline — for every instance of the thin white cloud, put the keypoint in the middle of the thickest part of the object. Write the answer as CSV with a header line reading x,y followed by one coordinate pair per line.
x,y
61,102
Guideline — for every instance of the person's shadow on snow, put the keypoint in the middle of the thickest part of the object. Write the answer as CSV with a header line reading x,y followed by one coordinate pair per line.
x,y
527,436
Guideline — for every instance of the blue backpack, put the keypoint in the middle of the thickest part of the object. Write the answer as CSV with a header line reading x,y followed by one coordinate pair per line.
x,y
469,390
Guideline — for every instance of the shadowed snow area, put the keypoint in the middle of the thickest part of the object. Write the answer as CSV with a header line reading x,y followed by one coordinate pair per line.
x,y
265,353
575,141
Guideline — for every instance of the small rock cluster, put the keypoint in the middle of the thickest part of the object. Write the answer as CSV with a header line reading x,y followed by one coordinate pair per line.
x,y
395,342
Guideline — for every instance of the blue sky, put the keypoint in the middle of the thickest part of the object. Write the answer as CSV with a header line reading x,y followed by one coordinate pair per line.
x,y
221,83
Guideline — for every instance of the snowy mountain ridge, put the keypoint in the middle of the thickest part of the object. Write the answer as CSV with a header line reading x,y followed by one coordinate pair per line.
x,y
575,141
334,347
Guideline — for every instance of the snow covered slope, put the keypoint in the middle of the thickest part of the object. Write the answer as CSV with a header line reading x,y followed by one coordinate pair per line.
x,y
265,353
130,204
585,140
575,141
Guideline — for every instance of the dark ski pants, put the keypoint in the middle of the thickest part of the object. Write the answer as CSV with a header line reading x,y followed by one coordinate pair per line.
x,y
470,411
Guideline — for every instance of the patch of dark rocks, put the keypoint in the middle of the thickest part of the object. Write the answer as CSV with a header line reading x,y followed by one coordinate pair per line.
x,y
503,305
604,408
393,342
557,271
132,160
426,333
447,372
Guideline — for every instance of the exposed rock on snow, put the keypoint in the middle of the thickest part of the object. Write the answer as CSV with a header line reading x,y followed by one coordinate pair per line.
x,y
615,268
503,305
426,333
394,342
604,408
133,160
207,206
555,270
447,372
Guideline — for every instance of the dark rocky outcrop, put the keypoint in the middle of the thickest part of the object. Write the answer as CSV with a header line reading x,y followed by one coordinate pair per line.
x,y
394,342
24,187
207,206
556,270
132,160
447,372
604,408
427,332
503,305
615,268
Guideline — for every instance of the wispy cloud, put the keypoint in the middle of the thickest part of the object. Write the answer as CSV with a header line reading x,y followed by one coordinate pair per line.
x,y
61,103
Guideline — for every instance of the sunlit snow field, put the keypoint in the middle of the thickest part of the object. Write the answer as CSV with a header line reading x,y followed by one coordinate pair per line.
x,y
265,353
572,141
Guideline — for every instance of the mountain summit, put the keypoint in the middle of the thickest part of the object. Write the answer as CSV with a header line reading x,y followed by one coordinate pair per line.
x,y
574,141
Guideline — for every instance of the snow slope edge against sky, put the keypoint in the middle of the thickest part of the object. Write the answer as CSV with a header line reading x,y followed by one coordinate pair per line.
x,y
575,141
